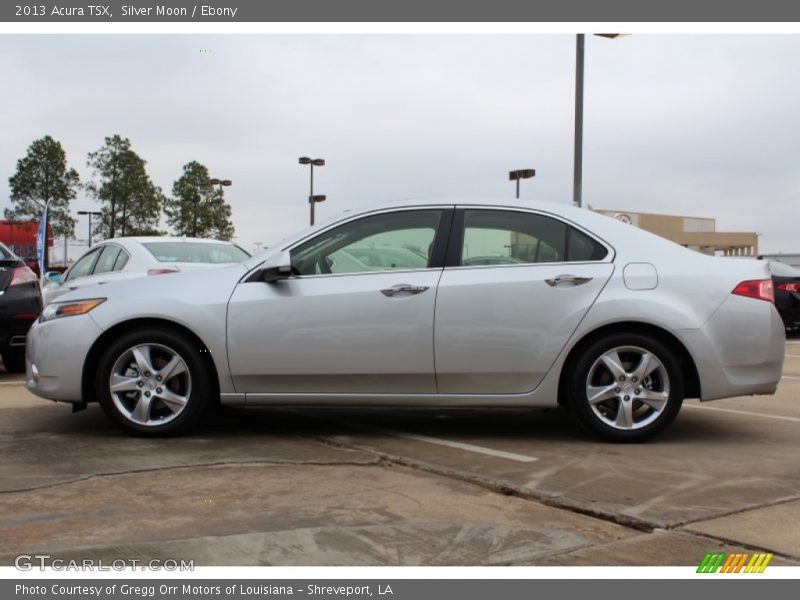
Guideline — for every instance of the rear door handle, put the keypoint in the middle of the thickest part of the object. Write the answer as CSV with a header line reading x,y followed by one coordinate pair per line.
x,y
404,288
573,279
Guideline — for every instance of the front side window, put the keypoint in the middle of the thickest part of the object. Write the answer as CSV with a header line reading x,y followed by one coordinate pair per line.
x,y
389,241
497,237
84,266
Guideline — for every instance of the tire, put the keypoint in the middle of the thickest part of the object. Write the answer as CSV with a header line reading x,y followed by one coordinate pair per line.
x,y
14,360
642,398
139,401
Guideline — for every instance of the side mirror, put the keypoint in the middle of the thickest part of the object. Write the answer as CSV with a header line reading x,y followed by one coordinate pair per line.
x,y
52,277
277,267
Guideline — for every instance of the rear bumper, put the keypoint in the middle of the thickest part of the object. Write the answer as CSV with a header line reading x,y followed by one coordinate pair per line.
x,y
19,307
739,351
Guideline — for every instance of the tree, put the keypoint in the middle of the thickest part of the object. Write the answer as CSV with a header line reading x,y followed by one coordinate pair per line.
x,y
131,201
197,208
42,175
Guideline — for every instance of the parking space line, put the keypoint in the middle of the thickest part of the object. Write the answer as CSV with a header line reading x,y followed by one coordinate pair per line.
x,y
451,444
793,355
745,413
789,377
20,382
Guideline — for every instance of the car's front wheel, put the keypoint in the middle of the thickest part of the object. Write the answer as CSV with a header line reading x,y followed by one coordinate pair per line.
x,y
153,383
625,387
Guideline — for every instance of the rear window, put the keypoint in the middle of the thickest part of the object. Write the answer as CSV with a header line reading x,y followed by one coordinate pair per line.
x,y
196,252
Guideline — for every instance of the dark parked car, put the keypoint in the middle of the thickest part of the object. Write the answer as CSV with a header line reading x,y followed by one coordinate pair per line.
x,y
786,280
20,304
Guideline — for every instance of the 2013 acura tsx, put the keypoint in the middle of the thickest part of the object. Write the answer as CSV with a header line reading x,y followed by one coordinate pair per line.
x,y
425,303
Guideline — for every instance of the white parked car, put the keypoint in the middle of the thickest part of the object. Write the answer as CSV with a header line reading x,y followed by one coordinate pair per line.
x,y
518,304
129,257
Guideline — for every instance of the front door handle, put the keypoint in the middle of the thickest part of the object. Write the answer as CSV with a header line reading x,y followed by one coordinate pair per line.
x,y
573,279
404,288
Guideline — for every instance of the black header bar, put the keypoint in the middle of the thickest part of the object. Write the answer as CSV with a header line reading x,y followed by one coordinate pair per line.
x,y
244,11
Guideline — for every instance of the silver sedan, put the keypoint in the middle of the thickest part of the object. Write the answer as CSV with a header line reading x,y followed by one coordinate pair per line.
x,y
428,303
129,257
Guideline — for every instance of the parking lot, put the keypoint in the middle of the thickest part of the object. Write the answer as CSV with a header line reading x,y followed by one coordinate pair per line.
x,y
391,487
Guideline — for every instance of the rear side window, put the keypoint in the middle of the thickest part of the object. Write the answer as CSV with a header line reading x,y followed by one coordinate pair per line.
x,y
121,261
107,259
196,252
497,237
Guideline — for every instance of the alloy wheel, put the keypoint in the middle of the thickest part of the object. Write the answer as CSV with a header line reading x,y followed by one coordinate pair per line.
x,y
150,384
627,388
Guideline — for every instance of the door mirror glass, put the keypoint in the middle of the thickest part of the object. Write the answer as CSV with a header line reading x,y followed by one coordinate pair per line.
x,y
276,267
52,277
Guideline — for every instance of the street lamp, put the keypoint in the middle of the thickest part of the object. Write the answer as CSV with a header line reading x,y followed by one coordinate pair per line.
x,y
577,180
221,183
91,214
312,199
521,174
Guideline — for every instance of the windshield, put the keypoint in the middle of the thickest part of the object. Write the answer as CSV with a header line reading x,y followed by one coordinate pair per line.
x,y
196,252
783,270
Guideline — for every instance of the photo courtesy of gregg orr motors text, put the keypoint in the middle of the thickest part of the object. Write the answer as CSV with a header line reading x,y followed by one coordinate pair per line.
x,y
239,589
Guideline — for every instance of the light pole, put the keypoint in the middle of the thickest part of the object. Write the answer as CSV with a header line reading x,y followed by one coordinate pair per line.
x,y
258,247
90,214
577,179
312,199
221,183
521,174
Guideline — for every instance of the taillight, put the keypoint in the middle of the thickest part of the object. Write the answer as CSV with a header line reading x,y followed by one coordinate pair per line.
x,y
22,275
161,271
760,289
794,288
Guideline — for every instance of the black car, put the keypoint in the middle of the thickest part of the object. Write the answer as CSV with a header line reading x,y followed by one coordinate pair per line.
x,y
20,304
786,280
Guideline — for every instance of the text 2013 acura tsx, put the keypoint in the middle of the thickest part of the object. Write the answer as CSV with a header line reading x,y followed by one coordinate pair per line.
x,y
425,303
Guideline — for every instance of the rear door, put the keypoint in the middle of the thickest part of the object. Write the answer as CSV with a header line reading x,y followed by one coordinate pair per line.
x,y
515,286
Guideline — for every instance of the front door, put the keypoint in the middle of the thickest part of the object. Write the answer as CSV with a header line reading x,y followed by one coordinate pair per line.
x,y
356,317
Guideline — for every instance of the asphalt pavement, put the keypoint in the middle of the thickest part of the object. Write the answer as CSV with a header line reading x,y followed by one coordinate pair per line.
x,y
402,487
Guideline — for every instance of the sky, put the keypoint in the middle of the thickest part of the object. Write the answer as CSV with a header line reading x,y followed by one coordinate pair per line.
x,y
696,125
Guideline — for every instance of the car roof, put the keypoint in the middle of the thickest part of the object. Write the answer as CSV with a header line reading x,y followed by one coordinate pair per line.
x,y
143,239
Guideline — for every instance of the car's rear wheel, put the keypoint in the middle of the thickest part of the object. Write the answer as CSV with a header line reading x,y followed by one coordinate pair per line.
x,y
14,360
625,387
153,383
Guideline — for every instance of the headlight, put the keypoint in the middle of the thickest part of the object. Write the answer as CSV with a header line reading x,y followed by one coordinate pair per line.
x,y
69,309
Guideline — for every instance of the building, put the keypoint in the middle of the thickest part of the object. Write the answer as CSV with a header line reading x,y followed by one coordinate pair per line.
x,y
692,232
20,237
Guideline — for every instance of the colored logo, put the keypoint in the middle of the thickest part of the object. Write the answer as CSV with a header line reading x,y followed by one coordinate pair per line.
x,y
734,563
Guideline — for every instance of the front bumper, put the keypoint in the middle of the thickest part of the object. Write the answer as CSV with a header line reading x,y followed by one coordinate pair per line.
x,y
55,356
